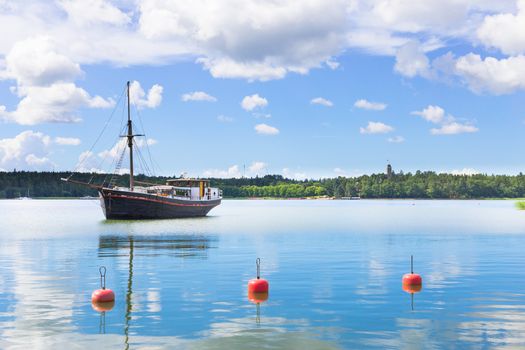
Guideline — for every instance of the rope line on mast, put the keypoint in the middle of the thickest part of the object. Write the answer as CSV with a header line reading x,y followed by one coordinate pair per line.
x,y
146,140
98,137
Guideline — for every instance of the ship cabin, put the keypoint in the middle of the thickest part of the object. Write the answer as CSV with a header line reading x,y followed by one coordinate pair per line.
x,y
194,189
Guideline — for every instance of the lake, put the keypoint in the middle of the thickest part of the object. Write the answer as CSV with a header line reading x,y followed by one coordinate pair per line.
x,y
334,269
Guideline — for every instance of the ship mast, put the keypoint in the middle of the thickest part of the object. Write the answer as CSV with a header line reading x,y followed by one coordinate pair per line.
x,y
130,144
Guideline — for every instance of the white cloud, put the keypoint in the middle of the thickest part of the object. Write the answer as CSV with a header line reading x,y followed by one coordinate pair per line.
x,y
373,106
339,172
257,167
505,31
198,96
67,141
231,172
396,139
287,173
497,76
256,40
250,39
411,60
56,103
27,150
35,61
93,12
448,123
321,101
333,65
454,128
252,102
138,96
434,114
45,84
265,129
464,171
224,119
88,161
376,128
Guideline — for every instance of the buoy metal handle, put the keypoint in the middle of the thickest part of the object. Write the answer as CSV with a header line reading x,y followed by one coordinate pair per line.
x,y
102,271
411,264
258,263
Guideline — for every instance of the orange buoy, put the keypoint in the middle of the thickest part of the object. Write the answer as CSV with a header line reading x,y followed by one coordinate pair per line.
x,y
102,295
258,285
257,298
412,279
412,288
103,306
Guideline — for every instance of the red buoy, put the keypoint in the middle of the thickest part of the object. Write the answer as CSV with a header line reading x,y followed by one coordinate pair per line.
x,y
258,285
103,306
257,298
102,295
412,279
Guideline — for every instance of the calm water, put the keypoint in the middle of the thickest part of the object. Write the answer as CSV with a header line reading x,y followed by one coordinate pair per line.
x,y
334,269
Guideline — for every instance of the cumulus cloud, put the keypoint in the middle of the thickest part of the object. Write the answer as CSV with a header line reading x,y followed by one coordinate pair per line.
x,y
67,141
497,76
238,40
448,123
138,95
433,114
376,128
93,12
198,96
35,62
333,65
373,106
257,40
321,101
257,167
232,172
27,150
89,161
411,60
297,175
464,171
45,84
252,102
505,31
56,103
265,129
454,128
396,139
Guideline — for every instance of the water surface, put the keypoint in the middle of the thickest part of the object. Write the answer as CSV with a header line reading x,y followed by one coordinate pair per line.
x,y
334,269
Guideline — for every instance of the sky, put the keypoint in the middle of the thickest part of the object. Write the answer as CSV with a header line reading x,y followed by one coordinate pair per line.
x,y
230,88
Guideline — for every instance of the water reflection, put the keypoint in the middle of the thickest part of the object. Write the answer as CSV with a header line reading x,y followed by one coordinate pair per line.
x,y
186,246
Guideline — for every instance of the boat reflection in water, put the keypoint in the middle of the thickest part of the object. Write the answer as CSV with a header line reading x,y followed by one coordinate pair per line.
x,y
185,246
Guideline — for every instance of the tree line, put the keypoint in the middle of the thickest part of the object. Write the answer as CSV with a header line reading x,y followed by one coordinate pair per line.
x,y
420,184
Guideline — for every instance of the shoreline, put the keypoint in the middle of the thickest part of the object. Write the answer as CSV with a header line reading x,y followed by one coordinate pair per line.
x,y
295,199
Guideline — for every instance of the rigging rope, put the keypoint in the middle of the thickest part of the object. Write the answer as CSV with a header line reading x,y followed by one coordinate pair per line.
x,y
99,135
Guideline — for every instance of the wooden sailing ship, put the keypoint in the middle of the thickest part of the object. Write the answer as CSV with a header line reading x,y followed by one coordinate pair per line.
x,y
178,198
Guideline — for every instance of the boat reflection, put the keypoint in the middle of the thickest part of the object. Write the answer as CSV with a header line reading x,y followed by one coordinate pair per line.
x,y
186,246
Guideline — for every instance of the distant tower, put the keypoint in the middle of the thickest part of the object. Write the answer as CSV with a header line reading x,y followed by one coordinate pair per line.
x,y
388,171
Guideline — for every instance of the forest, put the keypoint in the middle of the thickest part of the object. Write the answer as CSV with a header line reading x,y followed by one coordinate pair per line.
x,y
421,184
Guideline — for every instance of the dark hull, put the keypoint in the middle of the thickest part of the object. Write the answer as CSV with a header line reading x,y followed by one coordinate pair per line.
x,y
131,205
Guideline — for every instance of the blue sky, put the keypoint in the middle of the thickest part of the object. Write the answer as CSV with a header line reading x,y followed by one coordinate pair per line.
x,y
440,84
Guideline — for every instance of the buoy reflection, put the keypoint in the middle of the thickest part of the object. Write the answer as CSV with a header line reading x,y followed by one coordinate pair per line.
x,y
103,306
412,289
